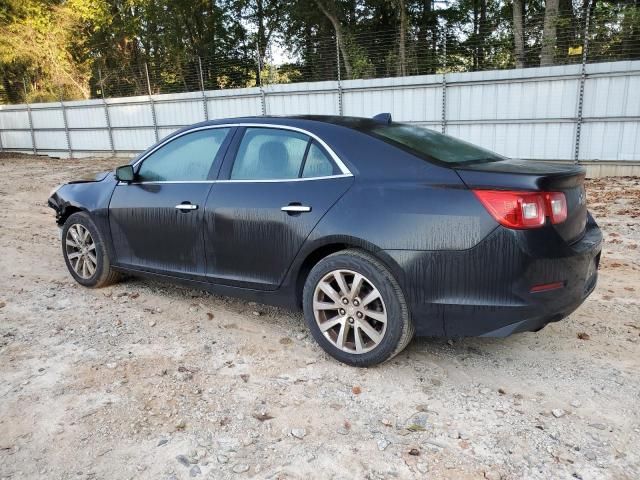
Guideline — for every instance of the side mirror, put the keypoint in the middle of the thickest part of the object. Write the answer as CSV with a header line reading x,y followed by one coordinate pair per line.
x,y
125,173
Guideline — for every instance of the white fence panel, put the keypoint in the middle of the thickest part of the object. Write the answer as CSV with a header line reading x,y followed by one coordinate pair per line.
x,y
527,113
14,119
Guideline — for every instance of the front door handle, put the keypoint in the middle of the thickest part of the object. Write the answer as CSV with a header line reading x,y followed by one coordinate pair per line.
x,y
295,208
186,207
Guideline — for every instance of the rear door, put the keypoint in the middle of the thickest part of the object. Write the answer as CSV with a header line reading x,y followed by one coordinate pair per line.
x,y
275,185
157,220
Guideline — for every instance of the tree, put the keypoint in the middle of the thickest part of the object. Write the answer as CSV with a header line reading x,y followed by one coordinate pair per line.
x,y
340,38
549,35
518,32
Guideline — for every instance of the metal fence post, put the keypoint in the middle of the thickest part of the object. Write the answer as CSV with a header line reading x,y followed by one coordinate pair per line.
x,y
33,134
443,120
204,96
106,113
66,127
263,100
583,79
152,103
339,77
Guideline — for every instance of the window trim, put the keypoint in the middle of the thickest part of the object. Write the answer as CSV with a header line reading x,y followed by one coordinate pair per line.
x,y
333,156
232,156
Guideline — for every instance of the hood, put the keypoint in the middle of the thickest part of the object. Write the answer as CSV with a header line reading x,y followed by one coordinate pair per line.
x,y
92,178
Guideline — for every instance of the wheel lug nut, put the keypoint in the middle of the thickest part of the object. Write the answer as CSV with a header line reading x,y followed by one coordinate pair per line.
x,y
359,315
345,300
350,319
342,311
356,302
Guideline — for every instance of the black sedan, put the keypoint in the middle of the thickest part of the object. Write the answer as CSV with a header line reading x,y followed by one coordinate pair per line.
x,y
378,230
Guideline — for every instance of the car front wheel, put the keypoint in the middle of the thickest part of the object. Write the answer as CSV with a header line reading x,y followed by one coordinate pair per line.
x,y
85,253
355,309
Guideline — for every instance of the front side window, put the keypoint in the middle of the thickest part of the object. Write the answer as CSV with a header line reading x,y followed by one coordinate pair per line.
x,y
274,154
187,158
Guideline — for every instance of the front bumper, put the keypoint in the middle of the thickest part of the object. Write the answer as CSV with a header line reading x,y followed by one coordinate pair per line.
x,y
486,290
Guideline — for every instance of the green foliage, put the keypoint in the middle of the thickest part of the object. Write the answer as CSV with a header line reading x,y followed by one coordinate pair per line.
x,y
53,49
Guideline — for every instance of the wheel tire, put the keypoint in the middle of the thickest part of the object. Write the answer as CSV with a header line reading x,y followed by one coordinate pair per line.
x,y
399,329
103,274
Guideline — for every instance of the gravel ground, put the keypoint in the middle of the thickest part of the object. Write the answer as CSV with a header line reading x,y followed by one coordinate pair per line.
x,y
149,380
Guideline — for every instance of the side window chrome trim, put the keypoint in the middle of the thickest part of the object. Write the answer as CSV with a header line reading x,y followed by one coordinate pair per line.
x,y
270,180
343,168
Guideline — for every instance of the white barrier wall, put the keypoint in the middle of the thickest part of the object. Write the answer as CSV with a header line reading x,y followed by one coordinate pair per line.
x,y
528,113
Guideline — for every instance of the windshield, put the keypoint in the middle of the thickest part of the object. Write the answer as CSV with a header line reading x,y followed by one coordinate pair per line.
x,y
432,145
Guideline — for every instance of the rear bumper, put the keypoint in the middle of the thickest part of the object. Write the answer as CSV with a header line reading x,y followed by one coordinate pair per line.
x,y
486,290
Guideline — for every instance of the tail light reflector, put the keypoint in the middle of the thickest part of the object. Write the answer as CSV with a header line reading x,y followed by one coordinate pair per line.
x,y
520,210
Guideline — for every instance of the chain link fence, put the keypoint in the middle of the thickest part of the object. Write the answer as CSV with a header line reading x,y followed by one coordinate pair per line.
x,y
603,36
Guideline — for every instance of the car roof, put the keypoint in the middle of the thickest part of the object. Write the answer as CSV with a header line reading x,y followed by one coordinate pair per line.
x,y
354,123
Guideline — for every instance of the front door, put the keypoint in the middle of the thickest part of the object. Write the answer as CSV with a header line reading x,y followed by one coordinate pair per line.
x,y
276,189
157,220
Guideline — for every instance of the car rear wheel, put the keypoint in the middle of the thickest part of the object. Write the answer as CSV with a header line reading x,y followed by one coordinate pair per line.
x,y
355,309
85,253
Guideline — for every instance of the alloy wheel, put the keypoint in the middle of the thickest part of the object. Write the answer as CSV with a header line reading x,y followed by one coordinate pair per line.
x,y
350,311
81,251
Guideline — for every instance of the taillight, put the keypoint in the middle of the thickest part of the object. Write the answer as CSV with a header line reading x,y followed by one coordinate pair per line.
x,y
514,209
556,206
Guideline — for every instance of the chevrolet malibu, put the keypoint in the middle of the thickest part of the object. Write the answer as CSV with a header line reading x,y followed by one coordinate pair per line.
x,y
377,230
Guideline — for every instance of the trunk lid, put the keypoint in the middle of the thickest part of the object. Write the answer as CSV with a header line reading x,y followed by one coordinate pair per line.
x,y
535,176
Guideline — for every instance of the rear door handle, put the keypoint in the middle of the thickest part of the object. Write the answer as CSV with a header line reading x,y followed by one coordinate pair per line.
x,y
295,208
185,207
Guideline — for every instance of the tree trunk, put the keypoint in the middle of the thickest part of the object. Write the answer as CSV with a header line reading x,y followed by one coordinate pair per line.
x,y
483,30
518,32
402,46
339,36
428,36
549,36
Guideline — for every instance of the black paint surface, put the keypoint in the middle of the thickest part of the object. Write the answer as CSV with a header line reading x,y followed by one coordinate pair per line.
x,y
461,273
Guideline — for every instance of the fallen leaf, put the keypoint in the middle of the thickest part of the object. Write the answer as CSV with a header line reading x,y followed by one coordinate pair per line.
x,y
583,336
415,428
414,451
210,315
286,341
244,377
356,390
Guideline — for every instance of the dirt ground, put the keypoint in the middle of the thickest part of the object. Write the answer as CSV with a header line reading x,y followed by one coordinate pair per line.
x,y
149,380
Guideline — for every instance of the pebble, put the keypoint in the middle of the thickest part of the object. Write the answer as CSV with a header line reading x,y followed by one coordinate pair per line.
x,y
162,441
598,426
491,475
195,471
240,468
558,412
383,443
576,403
298,432
184,460
152,323
422,467
256,313
222,458
342,431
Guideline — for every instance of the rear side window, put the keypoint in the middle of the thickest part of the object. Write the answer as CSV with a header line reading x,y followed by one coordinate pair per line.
x,y
432,145
317,164
187,158
273,154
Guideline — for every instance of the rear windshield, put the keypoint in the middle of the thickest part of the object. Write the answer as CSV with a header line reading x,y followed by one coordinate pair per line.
x,y
432,145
